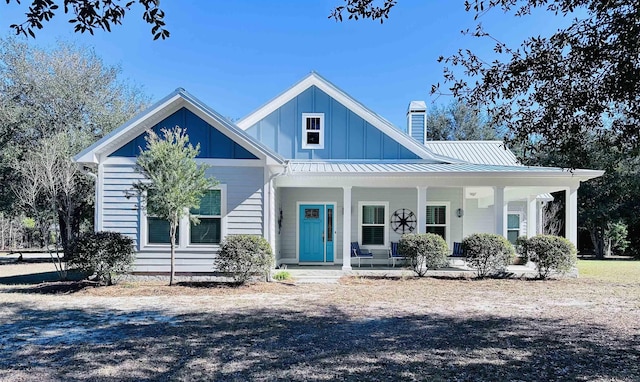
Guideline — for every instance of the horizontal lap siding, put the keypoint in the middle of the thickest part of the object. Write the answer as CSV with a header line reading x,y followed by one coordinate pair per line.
x,y
245,215
119,212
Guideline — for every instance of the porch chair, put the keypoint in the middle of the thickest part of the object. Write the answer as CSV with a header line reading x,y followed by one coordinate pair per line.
x,y
394,255
458,251
358,253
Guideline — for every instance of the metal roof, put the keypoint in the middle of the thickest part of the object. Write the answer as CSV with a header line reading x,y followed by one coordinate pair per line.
x,y
420,168
478,152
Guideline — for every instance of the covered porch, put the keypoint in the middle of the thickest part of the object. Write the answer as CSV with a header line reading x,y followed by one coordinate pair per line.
x,y
321,208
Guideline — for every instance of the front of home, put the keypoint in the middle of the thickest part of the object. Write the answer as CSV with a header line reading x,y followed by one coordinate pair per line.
x,y
314,170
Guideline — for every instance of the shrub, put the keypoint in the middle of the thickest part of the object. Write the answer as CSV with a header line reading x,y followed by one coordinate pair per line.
x,y
424,251
244,256
551,253
282,275
521,248
488,253
102,254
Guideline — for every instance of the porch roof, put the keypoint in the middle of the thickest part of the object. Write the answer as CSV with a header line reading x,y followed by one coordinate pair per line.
x,y
416,168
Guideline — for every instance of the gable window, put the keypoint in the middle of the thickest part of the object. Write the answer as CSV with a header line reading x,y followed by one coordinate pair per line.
x,y
438,219
513,227
209,230
312,130
373,223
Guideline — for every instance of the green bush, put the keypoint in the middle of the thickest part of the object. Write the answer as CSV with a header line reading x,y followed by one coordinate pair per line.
x,y
424,251
244,256
552,253
102,254
488,253
521,248
282,275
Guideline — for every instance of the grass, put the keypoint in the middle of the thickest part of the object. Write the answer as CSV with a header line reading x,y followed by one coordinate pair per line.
x,y
618,271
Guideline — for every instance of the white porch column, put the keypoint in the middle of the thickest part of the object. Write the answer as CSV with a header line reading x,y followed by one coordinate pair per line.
x,y
540,218
532,215
346,228
571,215
272,218
500,210
421,212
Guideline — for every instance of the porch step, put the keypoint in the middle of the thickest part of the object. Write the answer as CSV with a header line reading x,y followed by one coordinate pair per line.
x,y
315,276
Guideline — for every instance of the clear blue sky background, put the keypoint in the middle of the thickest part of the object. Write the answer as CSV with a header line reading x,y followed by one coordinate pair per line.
x,y
237,55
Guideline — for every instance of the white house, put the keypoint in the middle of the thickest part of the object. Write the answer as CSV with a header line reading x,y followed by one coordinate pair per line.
x,y
314,170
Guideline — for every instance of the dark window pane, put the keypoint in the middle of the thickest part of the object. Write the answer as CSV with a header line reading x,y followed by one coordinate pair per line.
x,y
513,221
372,235
373,214
209,204
311,213
436,214
438,230
158,231
207,232
330,224
313,138
512,236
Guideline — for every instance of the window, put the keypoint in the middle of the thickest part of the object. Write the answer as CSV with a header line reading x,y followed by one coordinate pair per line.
x,y
158,231
373,223
208,231
438,219
513,227
312,130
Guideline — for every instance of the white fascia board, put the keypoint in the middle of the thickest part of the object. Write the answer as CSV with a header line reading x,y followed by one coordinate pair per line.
x,y
161,110
348,102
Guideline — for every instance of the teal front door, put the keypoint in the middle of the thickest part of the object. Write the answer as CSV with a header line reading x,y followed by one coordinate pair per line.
x,y
316,233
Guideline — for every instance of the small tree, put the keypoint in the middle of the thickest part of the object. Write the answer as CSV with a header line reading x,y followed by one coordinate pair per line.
x,y
488,253
244,256
103,254
551,253
424,251
174,183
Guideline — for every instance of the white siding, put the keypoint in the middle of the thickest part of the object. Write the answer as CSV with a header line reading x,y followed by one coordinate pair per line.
x,y
476,219
120,213
397,199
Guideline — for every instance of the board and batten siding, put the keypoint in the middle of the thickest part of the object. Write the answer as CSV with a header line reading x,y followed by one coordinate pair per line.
x,y
346,135
244,206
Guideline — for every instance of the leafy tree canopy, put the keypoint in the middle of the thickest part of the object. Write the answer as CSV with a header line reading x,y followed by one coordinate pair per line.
x,y
87,16
552,92
173,182
459,122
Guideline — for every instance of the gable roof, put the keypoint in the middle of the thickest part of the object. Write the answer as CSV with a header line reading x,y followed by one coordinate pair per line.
x,y
157,112
478,152
314,79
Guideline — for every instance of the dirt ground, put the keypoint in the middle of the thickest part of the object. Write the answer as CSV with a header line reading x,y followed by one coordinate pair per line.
x,y
359,329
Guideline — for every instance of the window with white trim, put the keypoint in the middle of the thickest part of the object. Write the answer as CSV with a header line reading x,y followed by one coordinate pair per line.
x,y
158,231
373,223
312,130
209,230
513,227
438,219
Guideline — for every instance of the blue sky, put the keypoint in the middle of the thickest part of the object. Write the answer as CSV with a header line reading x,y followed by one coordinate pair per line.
x,y
237,55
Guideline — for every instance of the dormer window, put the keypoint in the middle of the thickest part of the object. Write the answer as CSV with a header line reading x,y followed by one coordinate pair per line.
x,y
312,130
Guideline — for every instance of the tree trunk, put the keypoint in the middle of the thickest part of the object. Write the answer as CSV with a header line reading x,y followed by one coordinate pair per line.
x,y
172,239
598,243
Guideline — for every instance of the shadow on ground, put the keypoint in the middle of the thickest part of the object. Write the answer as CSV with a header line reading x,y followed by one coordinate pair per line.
x,y
38,278
323,344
